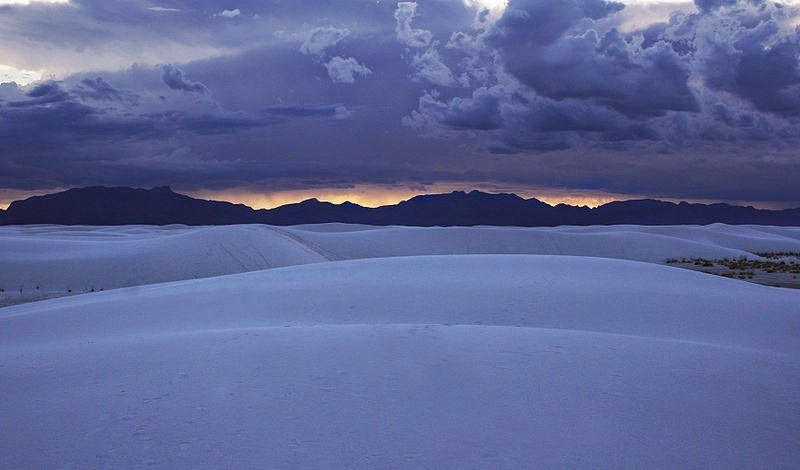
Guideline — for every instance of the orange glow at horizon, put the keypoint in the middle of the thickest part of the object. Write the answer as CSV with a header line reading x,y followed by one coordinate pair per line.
x,y
364,195
7,196
269,200
380,195
376,195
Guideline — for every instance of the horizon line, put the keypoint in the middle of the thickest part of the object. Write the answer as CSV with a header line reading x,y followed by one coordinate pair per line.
x,y
329,196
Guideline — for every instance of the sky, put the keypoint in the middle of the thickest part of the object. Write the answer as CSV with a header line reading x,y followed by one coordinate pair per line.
x,y
274,101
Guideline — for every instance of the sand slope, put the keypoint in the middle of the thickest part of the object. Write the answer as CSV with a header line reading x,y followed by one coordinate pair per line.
x,y
50,261
47,261
424,362
642,243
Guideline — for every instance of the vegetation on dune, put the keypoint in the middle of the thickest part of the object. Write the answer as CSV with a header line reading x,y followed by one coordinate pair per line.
x,y
773,267
778,254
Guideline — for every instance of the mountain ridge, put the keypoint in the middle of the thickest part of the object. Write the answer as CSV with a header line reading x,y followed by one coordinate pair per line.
x,y
100,205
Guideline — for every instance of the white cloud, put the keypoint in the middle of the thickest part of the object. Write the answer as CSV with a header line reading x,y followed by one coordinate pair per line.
x,y
229,13
640,14
163,9
493,8
430,67
10,92
20,77
317,40
343,70
342,112
28,2
406,34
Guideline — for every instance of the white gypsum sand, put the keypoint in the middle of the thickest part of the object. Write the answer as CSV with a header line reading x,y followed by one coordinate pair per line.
x,y
49,261
481,361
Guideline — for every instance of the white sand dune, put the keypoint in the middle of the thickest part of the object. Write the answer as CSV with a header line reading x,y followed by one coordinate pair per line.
x,y
496,361
514,348
642,243
49,261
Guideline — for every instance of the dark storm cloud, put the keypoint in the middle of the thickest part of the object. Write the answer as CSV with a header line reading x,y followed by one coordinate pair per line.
x,y
172,122
708,5
570,73
60,128
751,58
558,92
302,111
541,22
51,109
33,122
97,89
551,49
42,93
175,79
481,112
602,69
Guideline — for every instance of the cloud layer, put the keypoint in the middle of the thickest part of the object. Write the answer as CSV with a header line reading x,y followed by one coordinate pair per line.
x,y
699,101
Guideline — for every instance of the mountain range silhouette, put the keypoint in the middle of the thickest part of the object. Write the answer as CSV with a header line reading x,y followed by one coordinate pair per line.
x,y
99,205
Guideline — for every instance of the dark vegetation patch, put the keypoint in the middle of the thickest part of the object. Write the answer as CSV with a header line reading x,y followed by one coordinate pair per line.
x,y
777,269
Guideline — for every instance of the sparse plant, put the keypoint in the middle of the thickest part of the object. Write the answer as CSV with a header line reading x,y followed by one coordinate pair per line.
x,y
771,266
778,254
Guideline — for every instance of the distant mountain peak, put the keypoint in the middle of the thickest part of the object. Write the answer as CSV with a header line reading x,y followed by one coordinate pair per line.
x,y
100,205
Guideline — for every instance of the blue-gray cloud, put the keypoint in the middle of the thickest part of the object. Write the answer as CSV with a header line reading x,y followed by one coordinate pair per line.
x,y
98,89
568,75
41,94
319,39
303,111
175,79
551,92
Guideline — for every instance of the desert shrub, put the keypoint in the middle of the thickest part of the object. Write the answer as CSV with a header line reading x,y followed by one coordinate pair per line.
x,y
777,254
